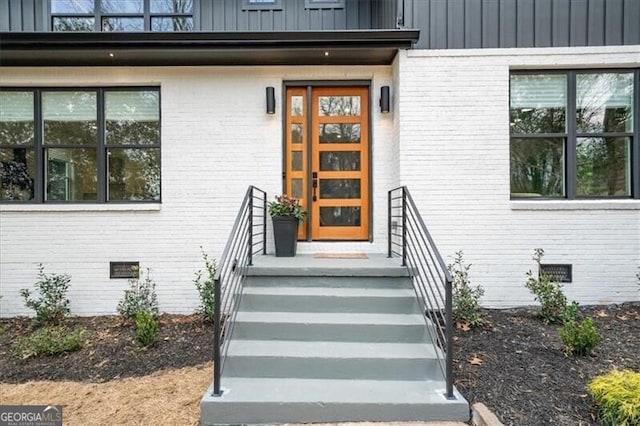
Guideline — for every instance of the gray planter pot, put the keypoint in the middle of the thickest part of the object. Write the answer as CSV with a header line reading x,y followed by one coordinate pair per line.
x,y
285,235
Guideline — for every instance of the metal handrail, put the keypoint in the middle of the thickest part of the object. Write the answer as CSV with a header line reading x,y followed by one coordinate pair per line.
x,y
248,237
409,238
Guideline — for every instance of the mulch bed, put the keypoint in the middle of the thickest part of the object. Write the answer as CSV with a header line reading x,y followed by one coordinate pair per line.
x,y
515,364
111,351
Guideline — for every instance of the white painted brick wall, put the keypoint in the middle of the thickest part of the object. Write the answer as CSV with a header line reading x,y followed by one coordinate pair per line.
x,y
454,157
216,140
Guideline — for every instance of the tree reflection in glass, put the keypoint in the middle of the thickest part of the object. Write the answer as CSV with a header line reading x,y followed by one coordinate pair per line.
x,y
537,167
339,106
604,102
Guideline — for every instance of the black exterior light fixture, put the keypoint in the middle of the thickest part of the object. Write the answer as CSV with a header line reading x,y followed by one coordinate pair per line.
x,y
384,99
271,100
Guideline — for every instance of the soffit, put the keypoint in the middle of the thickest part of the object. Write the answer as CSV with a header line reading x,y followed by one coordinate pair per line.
x,y
357,47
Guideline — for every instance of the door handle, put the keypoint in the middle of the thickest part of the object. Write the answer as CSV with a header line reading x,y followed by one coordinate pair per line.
x,y
315,185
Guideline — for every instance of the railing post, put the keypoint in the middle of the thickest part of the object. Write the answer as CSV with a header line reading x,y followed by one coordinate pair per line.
x,y
264,223
449,331
389,213
250,236
217,331
404,226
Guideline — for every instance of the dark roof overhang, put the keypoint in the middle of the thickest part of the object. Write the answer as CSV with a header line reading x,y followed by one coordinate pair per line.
x,y
353,47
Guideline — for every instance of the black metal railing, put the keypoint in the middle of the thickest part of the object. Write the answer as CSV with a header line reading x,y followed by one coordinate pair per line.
x,y
409,238
248,238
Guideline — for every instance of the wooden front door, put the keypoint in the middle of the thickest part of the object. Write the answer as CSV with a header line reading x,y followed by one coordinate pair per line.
x,y
327,160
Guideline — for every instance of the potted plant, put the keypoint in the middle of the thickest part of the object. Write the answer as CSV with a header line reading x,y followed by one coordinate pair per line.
x,y
286,214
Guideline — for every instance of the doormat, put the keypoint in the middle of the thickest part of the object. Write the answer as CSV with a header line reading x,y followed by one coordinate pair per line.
x,y
340,256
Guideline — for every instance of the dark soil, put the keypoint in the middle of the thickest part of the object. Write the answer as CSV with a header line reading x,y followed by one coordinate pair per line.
x,y
523,376
526,378
111,351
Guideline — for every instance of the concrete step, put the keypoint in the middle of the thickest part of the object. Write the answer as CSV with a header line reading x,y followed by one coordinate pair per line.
x,y
268,401
325,327
320,299
332,360
327,281
373,265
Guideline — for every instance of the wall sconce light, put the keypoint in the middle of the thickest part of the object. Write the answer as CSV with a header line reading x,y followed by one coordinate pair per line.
x,y
384,99
271,100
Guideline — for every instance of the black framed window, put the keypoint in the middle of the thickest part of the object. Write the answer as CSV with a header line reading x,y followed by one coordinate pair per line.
x,y
80,145
262,4
574,134
324,4
122,15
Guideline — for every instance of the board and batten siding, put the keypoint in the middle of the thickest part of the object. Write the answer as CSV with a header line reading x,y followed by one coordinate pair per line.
x,y
232,15
468,24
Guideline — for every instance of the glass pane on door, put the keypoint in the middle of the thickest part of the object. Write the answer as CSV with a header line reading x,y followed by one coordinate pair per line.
x,y
339,216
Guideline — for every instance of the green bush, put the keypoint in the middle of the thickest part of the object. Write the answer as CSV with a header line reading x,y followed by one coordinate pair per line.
x,y
146,328
141,296
580,337
466,299
49,340
205,284
617,395
52,306
553,302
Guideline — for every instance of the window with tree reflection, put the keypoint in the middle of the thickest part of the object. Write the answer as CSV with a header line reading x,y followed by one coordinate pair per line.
x,y
97,145
122,15
572,134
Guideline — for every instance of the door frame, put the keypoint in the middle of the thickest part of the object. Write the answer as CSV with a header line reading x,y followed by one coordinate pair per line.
x,y
309,85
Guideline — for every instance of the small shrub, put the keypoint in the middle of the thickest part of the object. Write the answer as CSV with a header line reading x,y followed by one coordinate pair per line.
x,y
49,340
466,298
580,337
53,305
548,293
205,284
617,395
572,312
141,296
146,328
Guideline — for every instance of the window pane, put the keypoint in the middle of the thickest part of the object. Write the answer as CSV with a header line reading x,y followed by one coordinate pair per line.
x,y
339,216
339,188
172,6
537,167
71,174
122,6
339,105
133,174
339,133
538,103
604,166
296,188
71,6
604,102
69,117
17,173
122,24
132,117
340,161
172,24
296,106
16,118
296,161
73,24
296,133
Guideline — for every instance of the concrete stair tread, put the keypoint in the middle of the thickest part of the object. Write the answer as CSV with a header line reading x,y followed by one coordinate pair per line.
x,y
342,350
283,390
332,292
329,318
